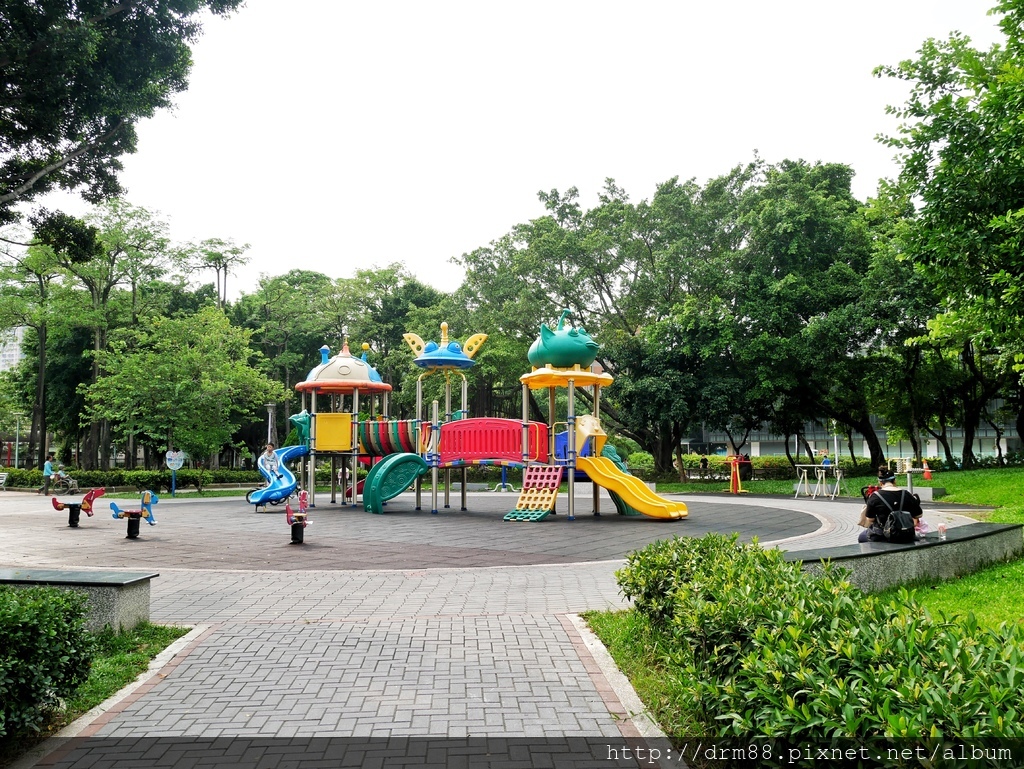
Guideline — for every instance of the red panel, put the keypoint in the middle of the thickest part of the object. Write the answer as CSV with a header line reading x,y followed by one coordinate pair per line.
x,y
471,440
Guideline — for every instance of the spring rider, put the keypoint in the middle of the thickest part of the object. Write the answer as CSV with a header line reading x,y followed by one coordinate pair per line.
x,y
134,516
75,509
297,520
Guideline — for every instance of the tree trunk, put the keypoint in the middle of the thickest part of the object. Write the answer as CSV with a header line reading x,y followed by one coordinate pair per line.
x,y
999,441
853,452
105,444
789,454
807,446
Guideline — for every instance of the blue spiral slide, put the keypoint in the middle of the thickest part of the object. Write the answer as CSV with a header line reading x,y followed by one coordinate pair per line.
x,y
282,485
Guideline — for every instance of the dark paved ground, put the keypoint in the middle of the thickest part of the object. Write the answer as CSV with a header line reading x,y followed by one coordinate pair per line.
x,y
228,534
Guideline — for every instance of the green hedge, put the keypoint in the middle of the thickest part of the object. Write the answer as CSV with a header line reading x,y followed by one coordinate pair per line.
x,y
761,648
45,653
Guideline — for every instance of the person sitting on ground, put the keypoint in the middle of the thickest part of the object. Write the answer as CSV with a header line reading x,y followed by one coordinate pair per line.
x,y
876,512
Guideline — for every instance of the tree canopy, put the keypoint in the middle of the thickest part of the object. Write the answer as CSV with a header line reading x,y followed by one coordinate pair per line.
x,y
75,78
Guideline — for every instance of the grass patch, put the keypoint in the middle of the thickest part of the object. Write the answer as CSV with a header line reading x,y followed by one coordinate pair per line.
x,y
993,595
639,654
118,660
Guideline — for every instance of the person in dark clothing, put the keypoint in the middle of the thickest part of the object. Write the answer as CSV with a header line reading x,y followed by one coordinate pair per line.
x,y
875,513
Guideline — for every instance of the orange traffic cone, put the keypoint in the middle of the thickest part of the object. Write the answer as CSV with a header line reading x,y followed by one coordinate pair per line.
x,y
927,472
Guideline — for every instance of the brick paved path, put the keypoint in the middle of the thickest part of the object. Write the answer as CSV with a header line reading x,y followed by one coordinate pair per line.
x,y
404,624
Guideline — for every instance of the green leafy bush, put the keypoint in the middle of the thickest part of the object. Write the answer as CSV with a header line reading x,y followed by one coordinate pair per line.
x,y
640,460
45,653
151,480
760,647
241,477
198,479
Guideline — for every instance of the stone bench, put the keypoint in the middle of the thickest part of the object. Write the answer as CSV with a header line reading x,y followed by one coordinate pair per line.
x,y
116,598
877,566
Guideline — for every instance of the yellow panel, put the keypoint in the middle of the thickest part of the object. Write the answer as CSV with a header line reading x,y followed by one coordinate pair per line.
x,y
333,432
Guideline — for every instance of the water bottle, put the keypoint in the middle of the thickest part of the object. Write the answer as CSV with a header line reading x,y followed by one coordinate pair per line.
x,y
942,531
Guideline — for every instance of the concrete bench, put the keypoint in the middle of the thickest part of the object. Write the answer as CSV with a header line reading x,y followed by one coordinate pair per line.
x,y
877,566
116,598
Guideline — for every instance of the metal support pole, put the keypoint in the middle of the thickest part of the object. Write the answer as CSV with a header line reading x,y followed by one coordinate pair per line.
x,y
334,482
551,422
526,432
311,456
418,437
447,419
593,448
354,459
570,453
435,431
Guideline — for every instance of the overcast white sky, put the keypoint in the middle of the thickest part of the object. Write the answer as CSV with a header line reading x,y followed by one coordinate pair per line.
x,y
335,134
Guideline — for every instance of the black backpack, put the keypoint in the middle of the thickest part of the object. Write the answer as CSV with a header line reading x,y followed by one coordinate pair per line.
x,y
899,526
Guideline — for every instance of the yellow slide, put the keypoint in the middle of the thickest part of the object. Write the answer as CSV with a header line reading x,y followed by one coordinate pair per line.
x,y
633,491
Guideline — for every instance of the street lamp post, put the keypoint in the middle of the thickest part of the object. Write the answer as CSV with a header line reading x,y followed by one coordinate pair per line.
x,y
271,422
17,437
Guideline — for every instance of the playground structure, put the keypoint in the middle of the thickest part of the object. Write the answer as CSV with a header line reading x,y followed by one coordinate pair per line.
x,y
75,509
333,394
563,359
403,453
135,516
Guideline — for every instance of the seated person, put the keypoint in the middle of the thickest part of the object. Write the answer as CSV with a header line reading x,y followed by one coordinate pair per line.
x,y
876,512
60,475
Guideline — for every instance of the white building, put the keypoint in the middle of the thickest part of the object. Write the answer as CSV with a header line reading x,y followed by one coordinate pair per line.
x,y
10,348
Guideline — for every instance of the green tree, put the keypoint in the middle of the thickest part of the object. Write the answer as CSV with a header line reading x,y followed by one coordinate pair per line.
x,y
287,323
133,253
385,297
29,277
962,171
188,382
75,79
221,256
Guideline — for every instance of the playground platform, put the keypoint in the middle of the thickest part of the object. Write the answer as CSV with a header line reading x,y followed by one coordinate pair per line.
x,y
383,633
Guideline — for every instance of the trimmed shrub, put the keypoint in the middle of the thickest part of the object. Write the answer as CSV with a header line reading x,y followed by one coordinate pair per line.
x,y
760,647
45,653
151,480
640,460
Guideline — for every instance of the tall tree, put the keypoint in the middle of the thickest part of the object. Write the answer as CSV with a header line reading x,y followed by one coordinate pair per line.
x,y
288,327
75,79
28,277
188,382
221,256
133,253
962,169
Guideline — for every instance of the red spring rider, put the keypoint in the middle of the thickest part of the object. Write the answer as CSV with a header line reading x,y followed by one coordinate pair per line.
x,y
75,509
297,520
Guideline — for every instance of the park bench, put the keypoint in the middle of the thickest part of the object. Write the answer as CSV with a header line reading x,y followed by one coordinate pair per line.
x,y
3,481
119,599
878,566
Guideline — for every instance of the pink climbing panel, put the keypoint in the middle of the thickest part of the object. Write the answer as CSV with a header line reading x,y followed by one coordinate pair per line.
x,y
483,438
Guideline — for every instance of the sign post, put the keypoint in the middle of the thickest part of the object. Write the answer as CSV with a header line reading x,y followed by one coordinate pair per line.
x,y
175,459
